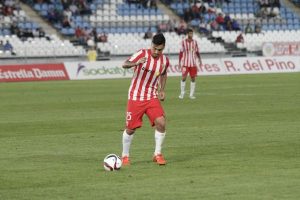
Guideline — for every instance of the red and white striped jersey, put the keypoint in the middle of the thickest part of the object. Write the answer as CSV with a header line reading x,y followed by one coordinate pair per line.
x,y
144,83
189,53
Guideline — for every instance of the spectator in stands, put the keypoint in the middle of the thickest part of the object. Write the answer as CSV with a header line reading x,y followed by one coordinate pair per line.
x,y
102,37
274,12
79,35
41,32
248,28
202,9
66,23
1,46
228,26
65,4
204,27
53,15
67,13
195,11
14,29
227,18
86,32
161,27
262,12
187,15
263,3
9,47
84,8
94,35
28,33
7,10
181,27
240,38
220,20
235,25
257,28
214,25
74,9
35,32
21,34
219,3
145,3
171,25
275,3
153,4
148,34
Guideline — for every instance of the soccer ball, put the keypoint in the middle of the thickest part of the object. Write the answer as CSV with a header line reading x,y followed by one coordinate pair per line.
x,y
112,162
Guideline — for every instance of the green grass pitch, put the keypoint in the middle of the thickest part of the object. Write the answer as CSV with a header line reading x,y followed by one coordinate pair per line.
x,y
240,139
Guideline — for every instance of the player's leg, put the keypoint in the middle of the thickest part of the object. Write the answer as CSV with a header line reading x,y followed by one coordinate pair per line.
x,y
157,119
193,74
160,133
126,143
134,117
184,72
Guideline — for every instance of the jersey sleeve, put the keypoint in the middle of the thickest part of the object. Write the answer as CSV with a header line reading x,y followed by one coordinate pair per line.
x,y
136,56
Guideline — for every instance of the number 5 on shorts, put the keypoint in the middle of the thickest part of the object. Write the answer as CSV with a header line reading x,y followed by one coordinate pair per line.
x,y
128,116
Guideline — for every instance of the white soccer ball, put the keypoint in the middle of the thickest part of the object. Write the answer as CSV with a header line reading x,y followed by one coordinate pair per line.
x,y
112,162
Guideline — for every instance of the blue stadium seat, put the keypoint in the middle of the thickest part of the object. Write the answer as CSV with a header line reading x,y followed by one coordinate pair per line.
x,y
37,7
44,6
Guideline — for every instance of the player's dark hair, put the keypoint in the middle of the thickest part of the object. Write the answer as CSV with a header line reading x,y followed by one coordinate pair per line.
x,y
158,39
189,30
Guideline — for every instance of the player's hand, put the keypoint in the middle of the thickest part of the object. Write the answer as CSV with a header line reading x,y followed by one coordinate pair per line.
x,y
141,61
161,95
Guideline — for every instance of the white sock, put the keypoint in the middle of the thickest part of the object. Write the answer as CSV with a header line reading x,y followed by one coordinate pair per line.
x,y
126,141
182,87
193,86
159,139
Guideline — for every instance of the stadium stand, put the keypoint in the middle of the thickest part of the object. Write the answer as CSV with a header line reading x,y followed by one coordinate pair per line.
x,y
27,38
260,22
119,27
119,21
296,2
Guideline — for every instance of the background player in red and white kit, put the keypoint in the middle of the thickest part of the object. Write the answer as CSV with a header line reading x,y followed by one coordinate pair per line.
x,y
145,92
188,57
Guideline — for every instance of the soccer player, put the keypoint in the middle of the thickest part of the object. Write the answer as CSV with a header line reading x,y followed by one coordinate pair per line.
x,y
189,53
146,89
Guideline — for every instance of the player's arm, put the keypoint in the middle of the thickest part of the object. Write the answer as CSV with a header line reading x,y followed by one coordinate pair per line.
x,y
180,56
162,84
198,55
129,64
181,53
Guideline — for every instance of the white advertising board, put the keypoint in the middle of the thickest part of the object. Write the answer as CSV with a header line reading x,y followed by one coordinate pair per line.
x,y
243,65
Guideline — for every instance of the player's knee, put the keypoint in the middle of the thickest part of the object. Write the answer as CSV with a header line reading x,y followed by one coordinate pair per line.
x,y
130,131
160,124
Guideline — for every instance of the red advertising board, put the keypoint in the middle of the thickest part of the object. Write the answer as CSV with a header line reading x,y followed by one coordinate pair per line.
x,y
33,72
